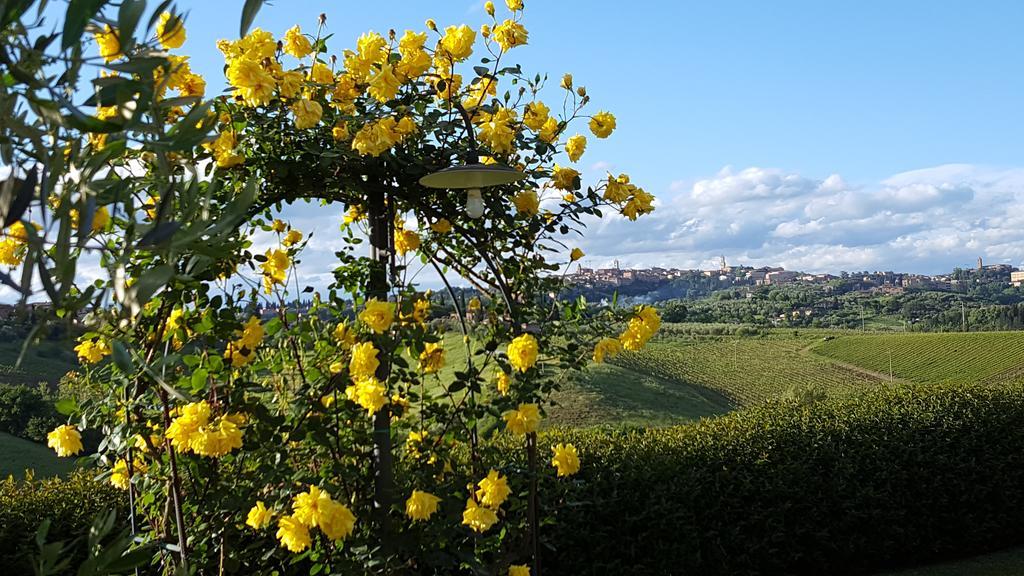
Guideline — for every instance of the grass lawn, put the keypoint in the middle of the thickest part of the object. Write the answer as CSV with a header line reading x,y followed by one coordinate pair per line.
x,y
17,454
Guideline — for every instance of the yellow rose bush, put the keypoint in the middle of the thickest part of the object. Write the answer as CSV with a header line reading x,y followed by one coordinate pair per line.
x,y
364,433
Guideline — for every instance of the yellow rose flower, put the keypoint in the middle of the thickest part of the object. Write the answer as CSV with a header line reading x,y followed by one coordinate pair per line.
x,y
606,348
549,131
406,241
602,124
174,36
275,268
535,115
223,150
259,516
510,34
369,394
109,45
92,351
432,357
523,420
479,518
278,226
364,361
497,130
307,113
492,490
294,535
378,315
384,84
522,352
565,178
340,132
518,570
421,505
504,382
575,146
296,43
514,5
65,440
457,42
527,202
576,254
567,81
337,521
565,459
292,238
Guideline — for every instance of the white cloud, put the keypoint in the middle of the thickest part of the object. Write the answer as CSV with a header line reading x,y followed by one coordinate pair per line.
x,y
928,220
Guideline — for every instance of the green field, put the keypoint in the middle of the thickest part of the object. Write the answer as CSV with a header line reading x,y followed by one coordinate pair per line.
x,y
935,358
17,455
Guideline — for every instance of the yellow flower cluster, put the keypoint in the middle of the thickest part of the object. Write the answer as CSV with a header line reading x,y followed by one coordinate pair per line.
x,y
92,350
224,150
65,440
640,329
566,459
12,246
606,348
364,361
368,393
497,130
249,66
482,507
421,505
275,268
523,420
374,138
242,350
522,352
635,201
193,431
316,509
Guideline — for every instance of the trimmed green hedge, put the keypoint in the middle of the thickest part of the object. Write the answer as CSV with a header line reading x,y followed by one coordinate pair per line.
x,y
896,476
70,503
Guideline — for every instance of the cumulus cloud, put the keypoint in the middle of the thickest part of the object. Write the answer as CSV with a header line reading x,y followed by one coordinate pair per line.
x,y
928,221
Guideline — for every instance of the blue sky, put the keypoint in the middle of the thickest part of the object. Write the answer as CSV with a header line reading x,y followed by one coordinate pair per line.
x,y
821,136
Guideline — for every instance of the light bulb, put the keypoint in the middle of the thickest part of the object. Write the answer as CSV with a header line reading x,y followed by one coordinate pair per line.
x,y
474,203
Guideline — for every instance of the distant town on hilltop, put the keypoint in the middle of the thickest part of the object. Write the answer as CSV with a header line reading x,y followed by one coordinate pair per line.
x,y
767,276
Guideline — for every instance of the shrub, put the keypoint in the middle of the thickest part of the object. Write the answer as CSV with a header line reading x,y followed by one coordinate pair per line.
x,y
27,412
69,503
837,487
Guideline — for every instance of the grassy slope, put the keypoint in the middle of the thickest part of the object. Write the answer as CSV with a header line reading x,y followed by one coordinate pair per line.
x,y
933,358
746,370
44,362
17,454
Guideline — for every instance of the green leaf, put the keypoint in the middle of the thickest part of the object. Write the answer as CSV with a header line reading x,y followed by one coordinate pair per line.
x,y
77,17
122,359
249,11
151,281
128,18
199,379
66,406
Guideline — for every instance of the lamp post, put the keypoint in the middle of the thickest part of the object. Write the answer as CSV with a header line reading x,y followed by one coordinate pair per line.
x,y
471,176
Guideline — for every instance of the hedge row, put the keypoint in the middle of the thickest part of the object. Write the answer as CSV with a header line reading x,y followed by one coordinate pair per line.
x,y
894,477
897,476
70,503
